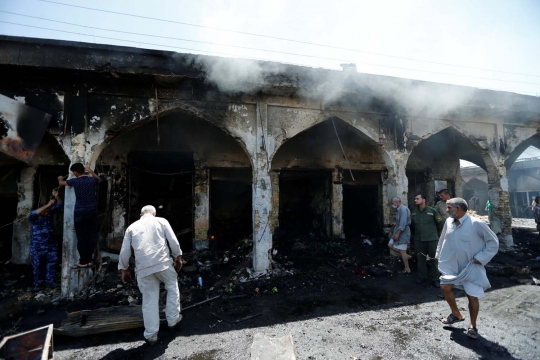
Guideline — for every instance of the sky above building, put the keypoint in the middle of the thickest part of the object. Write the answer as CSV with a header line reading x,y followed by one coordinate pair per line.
x,y
490,44
530,153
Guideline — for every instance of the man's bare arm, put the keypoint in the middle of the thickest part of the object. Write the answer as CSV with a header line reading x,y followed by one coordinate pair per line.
x,y
48,205
62,181
87,168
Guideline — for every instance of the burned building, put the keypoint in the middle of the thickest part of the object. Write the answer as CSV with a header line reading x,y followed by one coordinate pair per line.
x,y
228,148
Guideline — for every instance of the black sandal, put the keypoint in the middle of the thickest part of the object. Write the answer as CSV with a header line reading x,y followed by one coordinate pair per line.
x,y
472,332
451,319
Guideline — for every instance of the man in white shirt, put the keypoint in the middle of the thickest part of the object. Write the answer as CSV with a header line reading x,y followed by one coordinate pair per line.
x,y
148,237
465,246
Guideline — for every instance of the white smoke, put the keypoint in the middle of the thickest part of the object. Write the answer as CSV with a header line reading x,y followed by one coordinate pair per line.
x,y
237,75
415,97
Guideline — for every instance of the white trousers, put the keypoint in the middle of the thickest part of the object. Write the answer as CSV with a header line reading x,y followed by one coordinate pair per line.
x,y
149,286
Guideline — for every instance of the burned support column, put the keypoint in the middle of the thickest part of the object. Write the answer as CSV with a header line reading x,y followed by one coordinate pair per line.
x,y
274,215
387,214
70,254
201,199
21,228
75,146
499,197
337,203
430,189
120,194
458,184
262,195
402,186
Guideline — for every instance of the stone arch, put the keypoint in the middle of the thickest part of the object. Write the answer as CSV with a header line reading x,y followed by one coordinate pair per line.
x,y
314,156
342,122
180,109
49,152
207,151
533,140
478,154
451,144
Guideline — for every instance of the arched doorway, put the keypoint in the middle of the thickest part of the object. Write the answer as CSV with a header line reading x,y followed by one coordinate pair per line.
x,y
325,191
435,163
196,175
524,178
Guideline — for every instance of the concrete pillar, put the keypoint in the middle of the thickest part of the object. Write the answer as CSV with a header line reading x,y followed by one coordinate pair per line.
x,y
21,228
75,146
430,188
337,204
72,281
120,193
201,207
262,195
458,184
386,197
501,217
402,186
274,214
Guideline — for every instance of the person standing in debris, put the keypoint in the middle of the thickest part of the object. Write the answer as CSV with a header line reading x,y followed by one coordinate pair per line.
x,y
401,236
427,224
43,248
466,245
85,213
151,237
537,213
441,205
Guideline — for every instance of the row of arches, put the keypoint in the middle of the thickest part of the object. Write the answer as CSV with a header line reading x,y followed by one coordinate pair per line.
x,y
331,178
209,170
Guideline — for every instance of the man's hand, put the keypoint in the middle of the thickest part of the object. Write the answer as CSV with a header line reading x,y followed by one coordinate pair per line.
x,y
126,275
51,203
55,193
60,178
91,172
178,263
476,261
396,237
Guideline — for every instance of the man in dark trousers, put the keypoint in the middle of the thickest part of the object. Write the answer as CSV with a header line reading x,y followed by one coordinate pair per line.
x,y
43,248
85,214
427,224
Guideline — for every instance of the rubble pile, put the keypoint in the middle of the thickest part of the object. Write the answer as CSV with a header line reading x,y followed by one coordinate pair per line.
x,y
298,266
473,213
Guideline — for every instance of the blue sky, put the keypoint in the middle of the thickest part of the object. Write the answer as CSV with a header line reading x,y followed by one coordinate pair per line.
x,y
492,35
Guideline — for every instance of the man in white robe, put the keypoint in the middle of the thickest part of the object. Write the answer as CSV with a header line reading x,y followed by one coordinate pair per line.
x,y
466,245
153,242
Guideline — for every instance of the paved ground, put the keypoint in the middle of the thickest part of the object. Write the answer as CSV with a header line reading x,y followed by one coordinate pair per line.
x,y
407,326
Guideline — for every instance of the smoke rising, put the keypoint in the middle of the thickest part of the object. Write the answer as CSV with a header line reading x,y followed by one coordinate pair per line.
x,y
238,75
416,98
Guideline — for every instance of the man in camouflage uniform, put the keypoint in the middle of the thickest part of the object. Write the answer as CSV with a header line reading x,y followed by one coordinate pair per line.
x,y
43,249
427,224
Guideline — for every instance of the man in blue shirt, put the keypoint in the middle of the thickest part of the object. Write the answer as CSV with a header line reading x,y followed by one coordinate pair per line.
x,y
43,249
85,213
401,236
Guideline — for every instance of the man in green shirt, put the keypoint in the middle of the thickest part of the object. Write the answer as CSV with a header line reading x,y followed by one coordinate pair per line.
x,y
427,224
